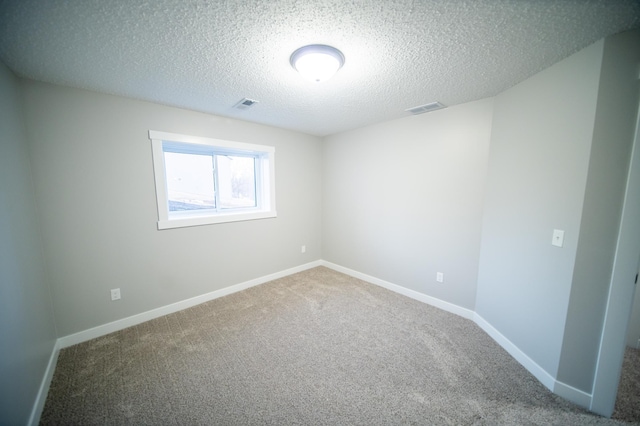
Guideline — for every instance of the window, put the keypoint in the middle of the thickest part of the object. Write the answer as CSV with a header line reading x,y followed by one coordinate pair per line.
x,y
202,181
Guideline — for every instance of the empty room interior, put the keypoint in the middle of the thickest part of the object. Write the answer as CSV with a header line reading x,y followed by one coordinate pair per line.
x,y
480,158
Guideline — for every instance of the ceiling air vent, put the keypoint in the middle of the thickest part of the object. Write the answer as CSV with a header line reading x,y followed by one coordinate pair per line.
x,y
425,108
245,103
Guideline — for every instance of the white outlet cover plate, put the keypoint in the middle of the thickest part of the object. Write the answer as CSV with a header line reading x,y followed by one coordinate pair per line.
x,y
115,294
558,238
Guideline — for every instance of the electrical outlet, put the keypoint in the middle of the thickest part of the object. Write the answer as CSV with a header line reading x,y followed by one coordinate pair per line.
x,y
115,294
440,277
303,249
558,238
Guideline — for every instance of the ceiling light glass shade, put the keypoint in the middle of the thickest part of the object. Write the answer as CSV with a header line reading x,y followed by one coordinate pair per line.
x,y
317,62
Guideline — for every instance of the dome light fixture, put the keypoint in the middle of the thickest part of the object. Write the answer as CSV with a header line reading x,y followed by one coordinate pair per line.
x,y
317,62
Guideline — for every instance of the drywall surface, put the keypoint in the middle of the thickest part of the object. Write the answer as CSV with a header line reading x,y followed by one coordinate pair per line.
x,y
402,200
610,153
538,163
27,332
94,179
633,331
613,135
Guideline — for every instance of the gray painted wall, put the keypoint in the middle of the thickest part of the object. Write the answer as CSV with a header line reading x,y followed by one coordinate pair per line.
x,y
402,200
27,331
539,158
93,176
633,332
613,135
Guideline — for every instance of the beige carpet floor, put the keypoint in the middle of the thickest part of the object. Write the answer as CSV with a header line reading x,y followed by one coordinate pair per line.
x,y
314,348
628,400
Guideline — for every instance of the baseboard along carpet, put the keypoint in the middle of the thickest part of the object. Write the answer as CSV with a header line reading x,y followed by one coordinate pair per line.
x,y
314,348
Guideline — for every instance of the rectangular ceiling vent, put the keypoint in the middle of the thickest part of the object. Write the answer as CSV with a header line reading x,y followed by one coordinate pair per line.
x,y
425,108
245,103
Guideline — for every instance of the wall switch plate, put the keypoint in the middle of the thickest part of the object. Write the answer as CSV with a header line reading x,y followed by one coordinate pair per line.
x,y
558,238
115,294
439,277
303,249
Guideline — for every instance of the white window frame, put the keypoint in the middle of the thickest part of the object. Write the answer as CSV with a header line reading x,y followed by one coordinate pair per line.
x,y
265,179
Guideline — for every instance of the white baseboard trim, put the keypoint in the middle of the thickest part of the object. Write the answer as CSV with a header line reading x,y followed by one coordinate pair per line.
x,y
539,373
121,324
104,329
41,398
574,395
568,392
429,300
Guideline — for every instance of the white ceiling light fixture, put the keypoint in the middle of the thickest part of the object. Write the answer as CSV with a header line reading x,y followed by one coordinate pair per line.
x,y
317,62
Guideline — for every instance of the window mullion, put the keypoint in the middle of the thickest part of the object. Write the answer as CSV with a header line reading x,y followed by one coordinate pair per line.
x,y
216,189
257,180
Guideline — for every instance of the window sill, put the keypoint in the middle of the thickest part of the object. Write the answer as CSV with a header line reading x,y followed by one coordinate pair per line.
x,y
211,220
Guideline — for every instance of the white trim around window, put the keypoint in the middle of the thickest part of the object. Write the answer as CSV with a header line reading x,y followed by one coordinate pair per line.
x,y
260,204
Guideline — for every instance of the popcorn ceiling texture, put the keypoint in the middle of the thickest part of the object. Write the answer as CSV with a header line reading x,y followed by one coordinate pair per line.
x,y
207,55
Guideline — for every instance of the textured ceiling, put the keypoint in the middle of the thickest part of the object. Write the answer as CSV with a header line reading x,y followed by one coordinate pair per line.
x,y
208,55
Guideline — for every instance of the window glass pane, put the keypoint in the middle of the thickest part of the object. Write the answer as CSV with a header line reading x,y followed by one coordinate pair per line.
x,y
236,181
189,181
